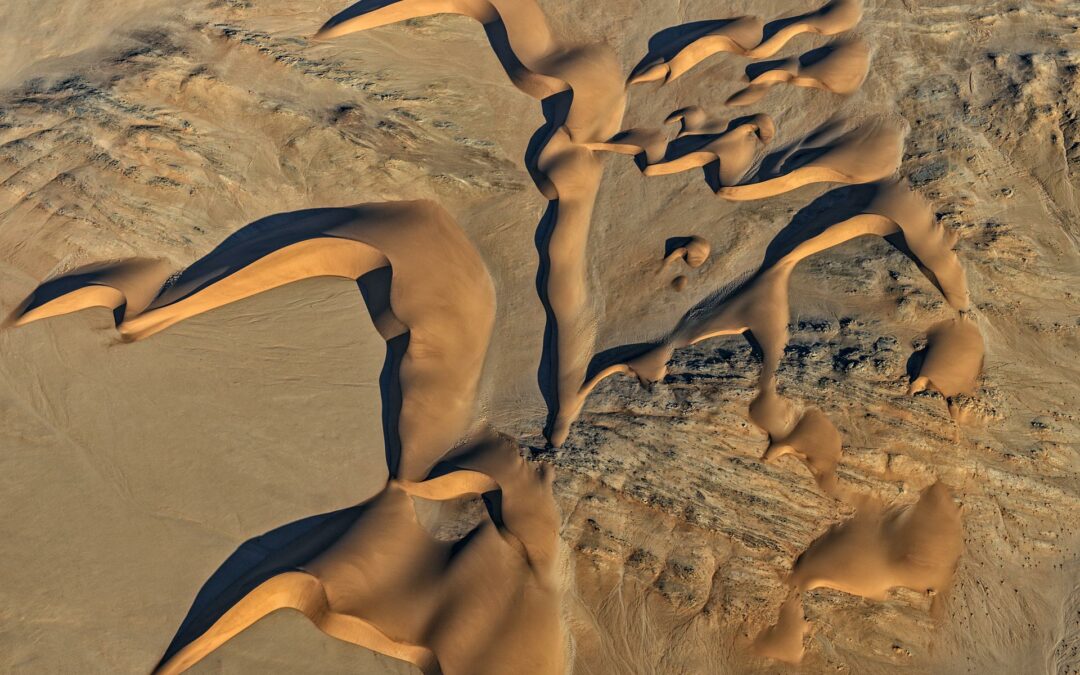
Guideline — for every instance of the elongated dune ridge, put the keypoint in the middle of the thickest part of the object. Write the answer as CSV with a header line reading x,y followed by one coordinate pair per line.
x,y
624,422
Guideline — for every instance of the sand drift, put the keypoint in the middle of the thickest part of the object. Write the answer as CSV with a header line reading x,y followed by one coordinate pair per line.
x,y
373,574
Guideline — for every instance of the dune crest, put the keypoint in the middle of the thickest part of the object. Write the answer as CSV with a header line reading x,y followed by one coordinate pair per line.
x,y
832,18
126,287
737,36
841,68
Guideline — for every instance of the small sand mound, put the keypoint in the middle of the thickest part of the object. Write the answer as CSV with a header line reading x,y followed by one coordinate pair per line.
x,y
868,153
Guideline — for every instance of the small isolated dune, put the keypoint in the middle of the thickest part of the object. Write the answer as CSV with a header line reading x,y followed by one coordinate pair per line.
x,y
914,547
953,360
840,68
440,295
693,250
816,443
868,153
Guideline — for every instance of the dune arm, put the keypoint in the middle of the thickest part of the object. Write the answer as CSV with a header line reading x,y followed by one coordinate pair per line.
x,y
319,257
304,593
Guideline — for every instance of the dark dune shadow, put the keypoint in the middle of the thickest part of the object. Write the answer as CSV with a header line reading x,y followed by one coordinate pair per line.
x,y
671,244
914,364
817,216
777,25
616,355
89,275
359,9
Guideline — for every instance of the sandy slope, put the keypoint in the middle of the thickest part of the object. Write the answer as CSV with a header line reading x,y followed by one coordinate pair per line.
x,y
252,393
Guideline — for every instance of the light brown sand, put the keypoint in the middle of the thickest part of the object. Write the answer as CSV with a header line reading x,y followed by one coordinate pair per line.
x,y
680,536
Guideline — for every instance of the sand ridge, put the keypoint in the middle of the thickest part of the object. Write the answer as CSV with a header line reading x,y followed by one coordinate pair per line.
x,y
440,295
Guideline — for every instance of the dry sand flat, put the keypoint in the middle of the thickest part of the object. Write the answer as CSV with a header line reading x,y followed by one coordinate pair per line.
x,y
686,552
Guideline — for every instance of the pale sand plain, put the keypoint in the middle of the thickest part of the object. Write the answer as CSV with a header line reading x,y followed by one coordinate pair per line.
x,y
164,396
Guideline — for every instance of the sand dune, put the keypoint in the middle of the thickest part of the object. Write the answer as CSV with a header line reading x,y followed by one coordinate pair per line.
x,y
953,360
839,68
868,153
670,58
832,18
880,549
816,443
914,547
694,251
440,293
674,52
498,580
126,287
760,308
733,150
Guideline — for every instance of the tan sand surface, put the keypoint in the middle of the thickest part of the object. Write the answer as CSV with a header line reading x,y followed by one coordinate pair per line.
x,y
309,315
